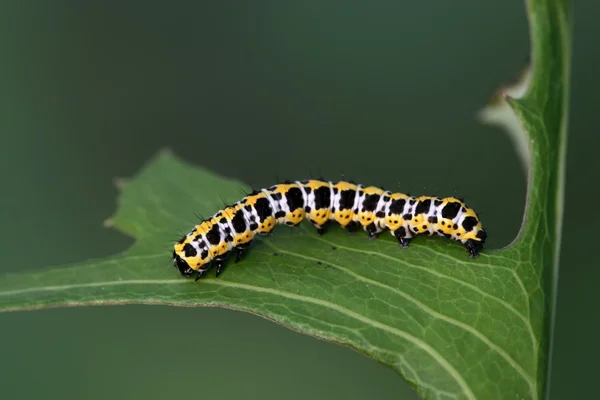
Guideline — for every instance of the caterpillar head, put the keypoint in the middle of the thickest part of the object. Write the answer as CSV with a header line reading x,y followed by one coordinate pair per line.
x,y
191,256
182,265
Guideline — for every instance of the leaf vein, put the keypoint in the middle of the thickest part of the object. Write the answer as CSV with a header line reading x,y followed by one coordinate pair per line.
x,y
445,364
499,350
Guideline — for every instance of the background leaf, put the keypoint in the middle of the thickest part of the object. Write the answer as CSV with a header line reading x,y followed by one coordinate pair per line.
x,y
452,326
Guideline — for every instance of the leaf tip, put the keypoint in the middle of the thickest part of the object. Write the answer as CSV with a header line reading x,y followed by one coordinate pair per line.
x,y
166,152
119,182
499,112
515,89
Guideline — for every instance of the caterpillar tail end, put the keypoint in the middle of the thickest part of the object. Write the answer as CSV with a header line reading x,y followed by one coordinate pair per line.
x,y
474,246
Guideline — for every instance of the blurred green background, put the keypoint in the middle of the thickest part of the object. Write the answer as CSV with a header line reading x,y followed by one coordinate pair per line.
x,y
381,92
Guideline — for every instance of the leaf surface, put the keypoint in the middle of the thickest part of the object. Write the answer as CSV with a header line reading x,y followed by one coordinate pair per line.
x,y
453,327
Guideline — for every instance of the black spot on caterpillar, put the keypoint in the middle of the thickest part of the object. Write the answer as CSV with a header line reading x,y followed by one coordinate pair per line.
x,y
351,205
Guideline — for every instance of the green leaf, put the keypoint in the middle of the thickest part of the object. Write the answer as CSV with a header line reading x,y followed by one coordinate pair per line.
x,y
451,326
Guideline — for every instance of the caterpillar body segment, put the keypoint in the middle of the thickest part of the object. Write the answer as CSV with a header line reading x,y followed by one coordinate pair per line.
x,y
351,205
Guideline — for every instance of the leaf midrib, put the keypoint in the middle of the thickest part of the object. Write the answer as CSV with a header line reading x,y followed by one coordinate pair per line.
x,y
480,336
322,303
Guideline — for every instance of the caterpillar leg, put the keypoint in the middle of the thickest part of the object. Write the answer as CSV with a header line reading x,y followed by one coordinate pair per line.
x,y
202,271
352,226
220,261
319,218
292,224
240,250
319,227
220,266
372,230
401,235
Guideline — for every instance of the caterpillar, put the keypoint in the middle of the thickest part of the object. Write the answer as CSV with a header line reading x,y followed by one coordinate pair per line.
x,y
351,205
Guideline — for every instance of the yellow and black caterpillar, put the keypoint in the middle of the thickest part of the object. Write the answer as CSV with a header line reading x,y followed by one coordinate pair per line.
x,y
351,205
